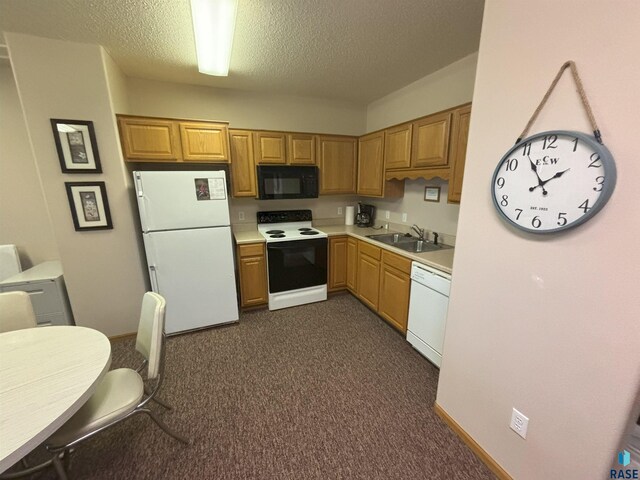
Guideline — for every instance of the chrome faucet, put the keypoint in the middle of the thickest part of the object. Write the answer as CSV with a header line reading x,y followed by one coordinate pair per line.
x,y
418,230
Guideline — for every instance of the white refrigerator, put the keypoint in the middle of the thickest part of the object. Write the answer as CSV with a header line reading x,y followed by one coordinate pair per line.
x,y
187,239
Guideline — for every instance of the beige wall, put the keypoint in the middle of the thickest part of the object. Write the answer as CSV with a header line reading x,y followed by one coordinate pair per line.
x,y
548,325
244,109
103,269
24,217
446,88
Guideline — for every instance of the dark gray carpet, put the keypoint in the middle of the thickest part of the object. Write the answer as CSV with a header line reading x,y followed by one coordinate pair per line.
x,y
321,391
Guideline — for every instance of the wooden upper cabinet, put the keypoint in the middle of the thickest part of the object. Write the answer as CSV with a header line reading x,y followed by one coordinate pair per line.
x,y
149,139
337,162
371,164
458,152
204,142
301,149
243,171
397,146
270,148
430,144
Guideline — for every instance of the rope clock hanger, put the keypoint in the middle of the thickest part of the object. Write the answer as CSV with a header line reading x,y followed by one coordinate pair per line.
x,y
555,180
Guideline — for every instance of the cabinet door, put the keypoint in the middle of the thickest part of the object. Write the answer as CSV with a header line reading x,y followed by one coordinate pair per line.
x,y
395,286
270,148
352,265
371,165
243,171
431,141
301,149
368,274
459,137
253,274
204,142
337,263
397,147
149,139
337,161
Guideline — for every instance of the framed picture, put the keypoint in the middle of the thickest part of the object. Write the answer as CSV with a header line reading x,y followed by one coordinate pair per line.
x,y
89,205
431,194
76,146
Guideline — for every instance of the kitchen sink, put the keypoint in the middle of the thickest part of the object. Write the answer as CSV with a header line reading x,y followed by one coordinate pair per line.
x,y
407,242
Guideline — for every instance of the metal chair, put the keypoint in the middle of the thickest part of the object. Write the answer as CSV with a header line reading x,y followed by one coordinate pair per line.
x,y
16,311
122,393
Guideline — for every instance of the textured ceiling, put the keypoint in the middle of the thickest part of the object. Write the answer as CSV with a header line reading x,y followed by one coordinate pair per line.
x,y
355,50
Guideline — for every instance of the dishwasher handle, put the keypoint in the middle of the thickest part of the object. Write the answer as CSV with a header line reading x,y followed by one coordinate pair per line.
x,y
431,278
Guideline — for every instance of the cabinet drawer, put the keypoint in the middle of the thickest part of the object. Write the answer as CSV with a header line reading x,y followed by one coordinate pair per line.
x,y
43,295
370,250
401,263
251,250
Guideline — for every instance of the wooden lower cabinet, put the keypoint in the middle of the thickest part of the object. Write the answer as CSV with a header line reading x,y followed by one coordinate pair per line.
x,y
395,286
252,271
368,274
352,265
337,263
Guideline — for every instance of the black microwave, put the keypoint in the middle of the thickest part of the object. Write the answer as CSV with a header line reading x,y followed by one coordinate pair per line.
x,y
281,182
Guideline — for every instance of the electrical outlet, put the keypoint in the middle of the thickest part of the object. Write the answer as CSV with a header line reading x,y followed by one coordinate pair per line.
x,y
339,210
387,214
519,423
404,217
240,216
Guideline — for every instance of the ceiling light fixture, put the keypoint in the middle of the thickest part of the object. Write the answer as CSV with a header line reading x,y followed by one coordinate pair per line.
x,y
213,24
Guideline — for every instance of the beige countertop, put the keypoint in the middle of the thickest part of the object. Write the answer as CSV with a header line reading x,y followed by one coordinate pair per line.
x,y
441,259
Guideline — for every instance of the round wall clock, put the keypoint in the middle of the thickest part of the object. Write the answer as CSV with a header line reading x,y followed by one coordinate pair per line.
x,y
553,181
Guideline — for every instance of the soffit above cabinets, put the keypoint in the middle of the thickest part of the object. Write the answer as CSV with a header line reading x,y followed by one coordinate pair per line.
x,y
355,50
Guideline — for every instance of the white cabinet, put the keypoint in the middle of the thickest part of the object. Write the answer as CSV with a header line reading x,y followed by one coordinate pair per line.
x,y
45,285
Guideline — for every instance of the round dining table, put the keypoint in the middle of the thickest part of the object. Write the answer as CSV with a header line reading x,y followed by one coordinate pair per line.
x,y
46,375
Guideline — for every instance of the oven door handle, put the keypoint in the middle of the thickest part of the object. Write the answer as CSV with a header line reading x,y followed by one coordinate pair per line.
x,y
300,243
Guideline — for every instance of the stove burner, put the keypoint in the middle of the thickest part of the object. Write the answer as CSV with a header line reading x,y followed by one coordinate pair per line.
x,y
305,229
312,232
274,232
277,235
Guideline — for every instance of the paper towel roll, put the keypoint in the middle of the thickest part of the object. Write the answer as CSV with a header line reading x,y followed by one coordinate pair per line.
x,y
349,215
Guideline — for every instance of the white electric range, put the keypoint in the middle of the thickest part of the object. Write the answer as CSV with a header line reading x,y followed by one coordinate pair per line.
x,y
296,258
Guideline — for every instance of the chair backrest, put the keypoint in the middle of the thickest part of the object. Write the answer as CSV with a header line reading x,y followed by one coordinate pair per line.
x,y
16,311
9,261
150,330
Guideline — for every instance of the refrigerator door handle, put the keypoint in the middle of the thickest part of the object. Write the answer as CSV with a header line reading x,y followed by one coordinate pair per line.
x,y
153,276
138,180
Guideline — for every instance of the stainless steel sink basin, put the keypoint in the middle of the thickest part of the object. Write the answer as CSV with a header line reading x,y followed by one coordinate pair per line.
x,y
407,242
392,238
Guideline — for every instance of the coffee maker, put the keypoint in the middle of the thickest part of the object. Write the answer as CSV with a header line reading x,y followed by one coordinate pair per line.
x,y
366,215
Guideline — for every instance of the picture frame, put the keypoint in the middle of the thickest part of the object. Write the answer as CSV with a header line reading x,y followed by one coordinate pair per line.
x,y
431,194
89,205
76,146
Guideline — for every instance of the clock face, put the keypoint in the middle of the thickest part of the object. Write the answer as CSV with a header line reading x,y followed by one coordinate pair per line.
x,y
552,181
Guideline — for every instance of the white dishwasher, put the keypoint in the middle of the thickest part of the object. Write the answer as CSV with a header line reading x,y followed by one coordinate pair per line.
x,y
428,306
